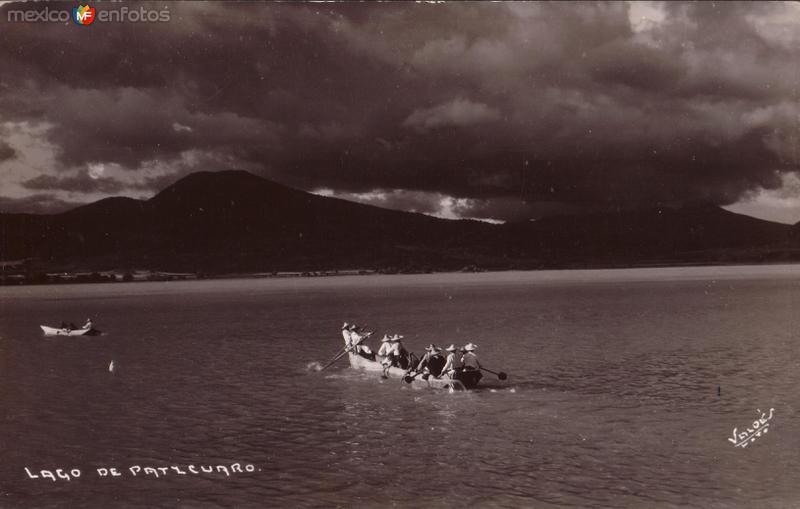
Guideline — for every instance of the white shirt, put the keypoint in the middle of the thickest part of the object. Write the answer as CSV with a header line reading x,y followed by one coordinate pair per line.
x,y
453,362
386,349
356,338
470,360
347,338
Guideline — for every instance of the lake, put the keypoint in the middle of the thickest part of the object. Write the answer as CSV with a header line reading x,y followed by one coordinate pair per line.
x,y
624,388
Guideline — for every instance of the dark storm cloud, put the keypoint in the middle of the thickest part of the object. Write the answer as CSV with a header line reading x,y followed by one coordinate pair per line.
x,y
6,152
634,65
128,126
515,108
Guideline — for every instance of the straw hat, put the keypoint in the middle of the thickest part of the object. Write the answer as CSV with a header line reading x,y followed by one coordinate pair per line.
x,y
451,348
433,348
385,339
470,347
346,325
397,337
352,327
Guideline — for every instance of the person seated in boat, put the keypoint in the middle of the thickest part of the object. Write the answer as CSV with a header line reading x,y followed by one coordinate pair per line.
x,y
357,337
385,354
470,360
346,334
385,351
351,333
432,362
453,365
390,351
88,324
395,350
401,357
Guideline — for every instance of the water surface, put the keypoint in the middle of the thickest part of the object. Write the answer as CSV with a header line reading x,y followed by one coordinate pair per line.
x,y
624,388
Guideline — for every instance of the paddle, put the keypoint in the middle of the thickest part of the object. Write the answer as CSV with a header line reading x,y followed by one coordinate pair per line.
x,y
340,352
346,350
338,356
500,375
410,378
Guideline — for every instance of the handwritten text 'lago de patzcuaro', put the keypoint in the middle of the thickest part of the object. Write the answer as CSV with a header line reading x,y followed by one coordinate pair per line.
x,y
748,436
147,471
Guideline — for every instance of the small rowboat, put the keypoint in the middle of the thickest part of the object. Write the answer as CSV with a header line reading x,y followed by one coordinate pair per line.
x,y
53,331
467,379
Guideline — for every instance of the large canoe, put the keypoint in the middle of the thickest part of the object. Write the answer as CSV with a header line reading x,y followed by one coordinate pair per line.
x,y
53,331
468,380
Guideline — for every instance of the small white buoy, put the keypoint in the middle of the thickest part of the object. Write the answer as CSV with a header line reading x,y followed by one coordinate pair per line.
x,y
111,367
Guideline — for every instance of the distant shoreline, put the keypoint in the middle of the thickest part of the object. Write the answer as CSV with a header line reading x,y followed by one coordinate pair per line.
x,y
114,277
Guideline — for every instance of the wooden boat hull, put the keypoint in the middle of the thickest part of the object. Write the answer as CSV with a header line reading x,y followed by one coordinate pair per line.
x,y
468,381
53,331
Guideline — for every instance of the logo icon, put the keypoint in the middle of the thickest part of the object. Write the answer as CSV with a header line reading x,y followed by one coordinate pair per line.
x,y
83,14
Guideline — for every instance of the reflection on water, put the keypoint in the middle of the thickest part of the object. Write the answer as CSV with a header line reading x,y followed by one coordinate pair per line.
x,y
624,387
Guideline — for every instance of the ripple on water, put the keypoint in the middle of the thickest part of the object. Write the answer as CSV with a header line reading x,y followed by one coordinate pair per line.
x,y
622,393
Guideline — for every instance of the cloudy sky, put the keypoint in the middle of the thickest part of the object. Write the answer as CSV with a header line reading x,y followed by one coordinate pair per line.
x,y
505,111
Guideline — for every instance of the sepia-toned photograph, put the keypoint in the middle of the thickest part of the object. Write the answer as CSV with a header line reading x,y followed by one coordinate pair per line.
x,y
430,254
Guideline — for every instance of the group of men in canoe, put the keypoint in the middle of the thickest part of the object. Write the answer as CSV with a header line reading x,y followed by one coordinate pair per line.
x,y
434,362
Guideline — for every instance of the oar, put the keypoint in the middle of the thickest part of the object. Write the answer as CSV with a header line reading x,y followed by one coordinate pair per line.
x,y
337,357
500,375
346,350
410,378
340,352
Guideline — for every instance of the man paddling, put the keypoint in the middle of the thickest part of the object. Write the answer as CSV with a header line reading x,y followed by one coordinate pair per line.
x,y
402,358
357,336
346,335
353,336
385,354
432,362
470,361
396,352
453,366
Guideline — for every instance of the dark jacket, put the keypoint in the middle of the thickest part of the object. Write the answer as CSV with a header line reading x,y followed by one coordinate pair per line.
x,y
433,361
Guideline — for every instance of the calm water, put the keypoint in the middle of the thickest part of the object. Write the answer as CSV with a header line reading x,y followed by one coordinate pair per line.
x,y
612,399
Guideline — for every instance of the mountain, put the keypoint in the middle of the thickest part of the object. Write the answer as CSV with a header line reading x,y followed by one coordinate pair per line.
x,y
234,221
701,233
